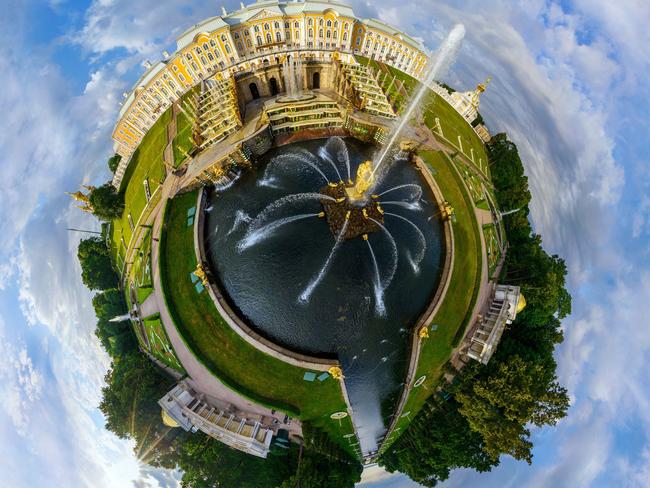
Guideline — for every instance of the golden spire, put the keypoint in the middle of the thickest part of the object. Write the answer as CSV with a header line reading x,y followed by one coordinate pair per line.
x,y
79,196
480,88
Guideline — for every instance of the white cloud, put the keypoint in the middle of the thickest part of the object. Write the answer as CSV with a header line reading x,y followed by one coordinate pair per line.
x,y
20,383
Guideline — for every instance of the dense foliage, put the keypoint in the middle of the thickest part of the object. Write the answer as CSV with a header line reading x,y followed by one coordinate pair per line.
x,y
96,269
488,408
114,162
106,203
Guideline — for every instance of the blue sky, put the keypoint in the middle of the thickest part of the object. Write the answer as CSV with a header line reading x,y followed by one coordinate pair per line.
x,y
570,88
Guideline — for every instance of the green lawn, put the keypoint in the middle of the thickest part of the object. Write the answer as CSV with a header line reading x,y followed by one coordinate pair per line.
x,y
454,313
492,247
160,346
236,363
146,163
183,141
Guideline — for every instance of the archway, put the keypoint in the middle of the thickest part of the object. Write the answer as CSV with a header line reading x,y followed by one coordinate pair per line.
x,y
316,81
273,84
254,92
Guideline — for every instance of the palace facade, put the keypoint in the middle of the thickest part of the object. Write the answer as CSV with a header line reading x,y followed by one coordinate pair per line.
x,y
252,38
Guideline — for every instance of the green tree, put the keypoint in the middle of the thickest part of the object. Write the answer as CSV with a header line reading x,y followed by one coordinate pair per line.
x,y
96,269
500,405
107,204
114,162
109,304
207,463
319,471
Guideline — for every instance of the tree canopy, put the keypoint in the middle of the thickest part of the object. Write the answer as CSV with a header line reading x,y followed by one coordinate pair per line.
x,y
114,162
106,203
96,269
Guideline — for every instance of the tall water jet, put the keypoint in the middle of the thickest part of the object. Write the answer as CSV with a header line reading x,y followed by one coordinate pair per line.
x,y
443,59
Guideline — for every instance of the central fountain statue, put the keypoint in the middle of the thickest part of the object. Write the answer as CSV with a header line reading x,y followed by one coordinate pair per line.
x,y
364,181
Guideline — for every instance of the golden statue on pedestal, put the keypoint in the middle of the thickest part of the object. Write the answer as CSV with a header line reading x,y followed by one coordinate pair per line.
x,y
363,182
84,198
424,332
199,272
336,373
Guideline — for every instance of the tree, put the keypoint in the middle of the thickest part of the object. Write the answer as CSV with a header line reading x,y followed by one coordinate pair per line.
x,y
109,304
319,471
438,440
96,269
207,463
106,203
500,405
114,162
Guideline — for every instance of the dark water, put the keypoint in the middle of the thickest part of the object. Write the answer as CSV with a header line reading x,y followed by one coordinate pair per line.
x,y
265,280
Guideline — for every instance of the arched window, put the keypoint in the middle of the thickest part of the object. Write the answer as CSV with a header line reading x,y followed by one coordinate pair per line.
x,y
276,25
256,28
345,36
248,43
311,32
320,22
228,50
336,24
239,46
259,40
212,43
310,21
329,23
236,35
205,46
320,32
336,34
329,34
267,27
286,25
269,39
210,56
278,36
217,54
223,37
296,35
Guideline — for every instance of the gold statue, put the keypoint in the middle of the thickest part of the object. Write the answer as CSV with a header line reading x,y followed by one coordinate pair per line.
x,y
364,181
424,332
200,273
336,373
480,88
79,196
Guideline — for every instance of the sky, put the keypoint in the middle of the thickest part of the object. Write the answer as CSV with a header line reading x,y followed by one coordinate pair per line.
x,y
569,86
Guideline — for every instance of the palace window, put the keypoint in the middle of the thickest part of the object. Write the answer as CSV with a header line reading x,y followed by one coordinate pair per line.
x,y
188,56
205,46
345,36
296,24
197,50
336,24
223,37
236,35
194,66
181,77
320,22
310,21
259,41
296,35
239,46
210,56
228,50
246,33
267,27
217,54
329,23
311,32
203,60
213,43
329,34
336,34
286,25
256,28
269,39
276,25
320,32
278,36
248,43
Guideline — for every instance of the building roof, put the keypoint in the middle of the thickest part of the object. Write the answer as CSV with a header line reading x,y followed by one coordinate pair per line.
x,y
383,26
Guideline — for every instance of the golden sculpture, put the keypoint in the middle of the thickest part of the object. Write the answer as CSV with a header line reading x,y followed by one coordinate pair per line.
x,y
480,88
336,373
446,211
79,196
363,182
199,272
424,332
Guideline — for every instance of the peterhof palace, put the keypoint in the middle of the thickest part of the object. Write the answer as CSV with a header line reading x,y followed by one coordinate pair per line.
x,y
248,49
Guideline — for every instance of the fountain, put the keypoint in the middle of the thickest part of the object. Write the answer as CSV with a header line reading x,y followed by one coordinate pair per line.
x,y
331,264
292,71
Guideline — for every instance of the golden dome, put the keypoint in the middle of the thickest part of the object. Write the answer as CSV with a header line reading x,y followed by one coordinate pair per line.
x,y
168,420
521,303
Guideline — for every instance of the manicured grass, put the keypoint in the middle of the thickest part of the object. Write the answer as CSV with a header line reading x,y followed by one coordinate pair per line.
x,y
140,271
236,363
146,163
454,313
160,346
183,141
492,247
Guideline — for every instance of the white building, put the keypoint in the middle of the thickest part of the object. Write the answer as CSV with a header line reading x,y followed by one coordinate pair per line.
x,y
182,408
507,302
